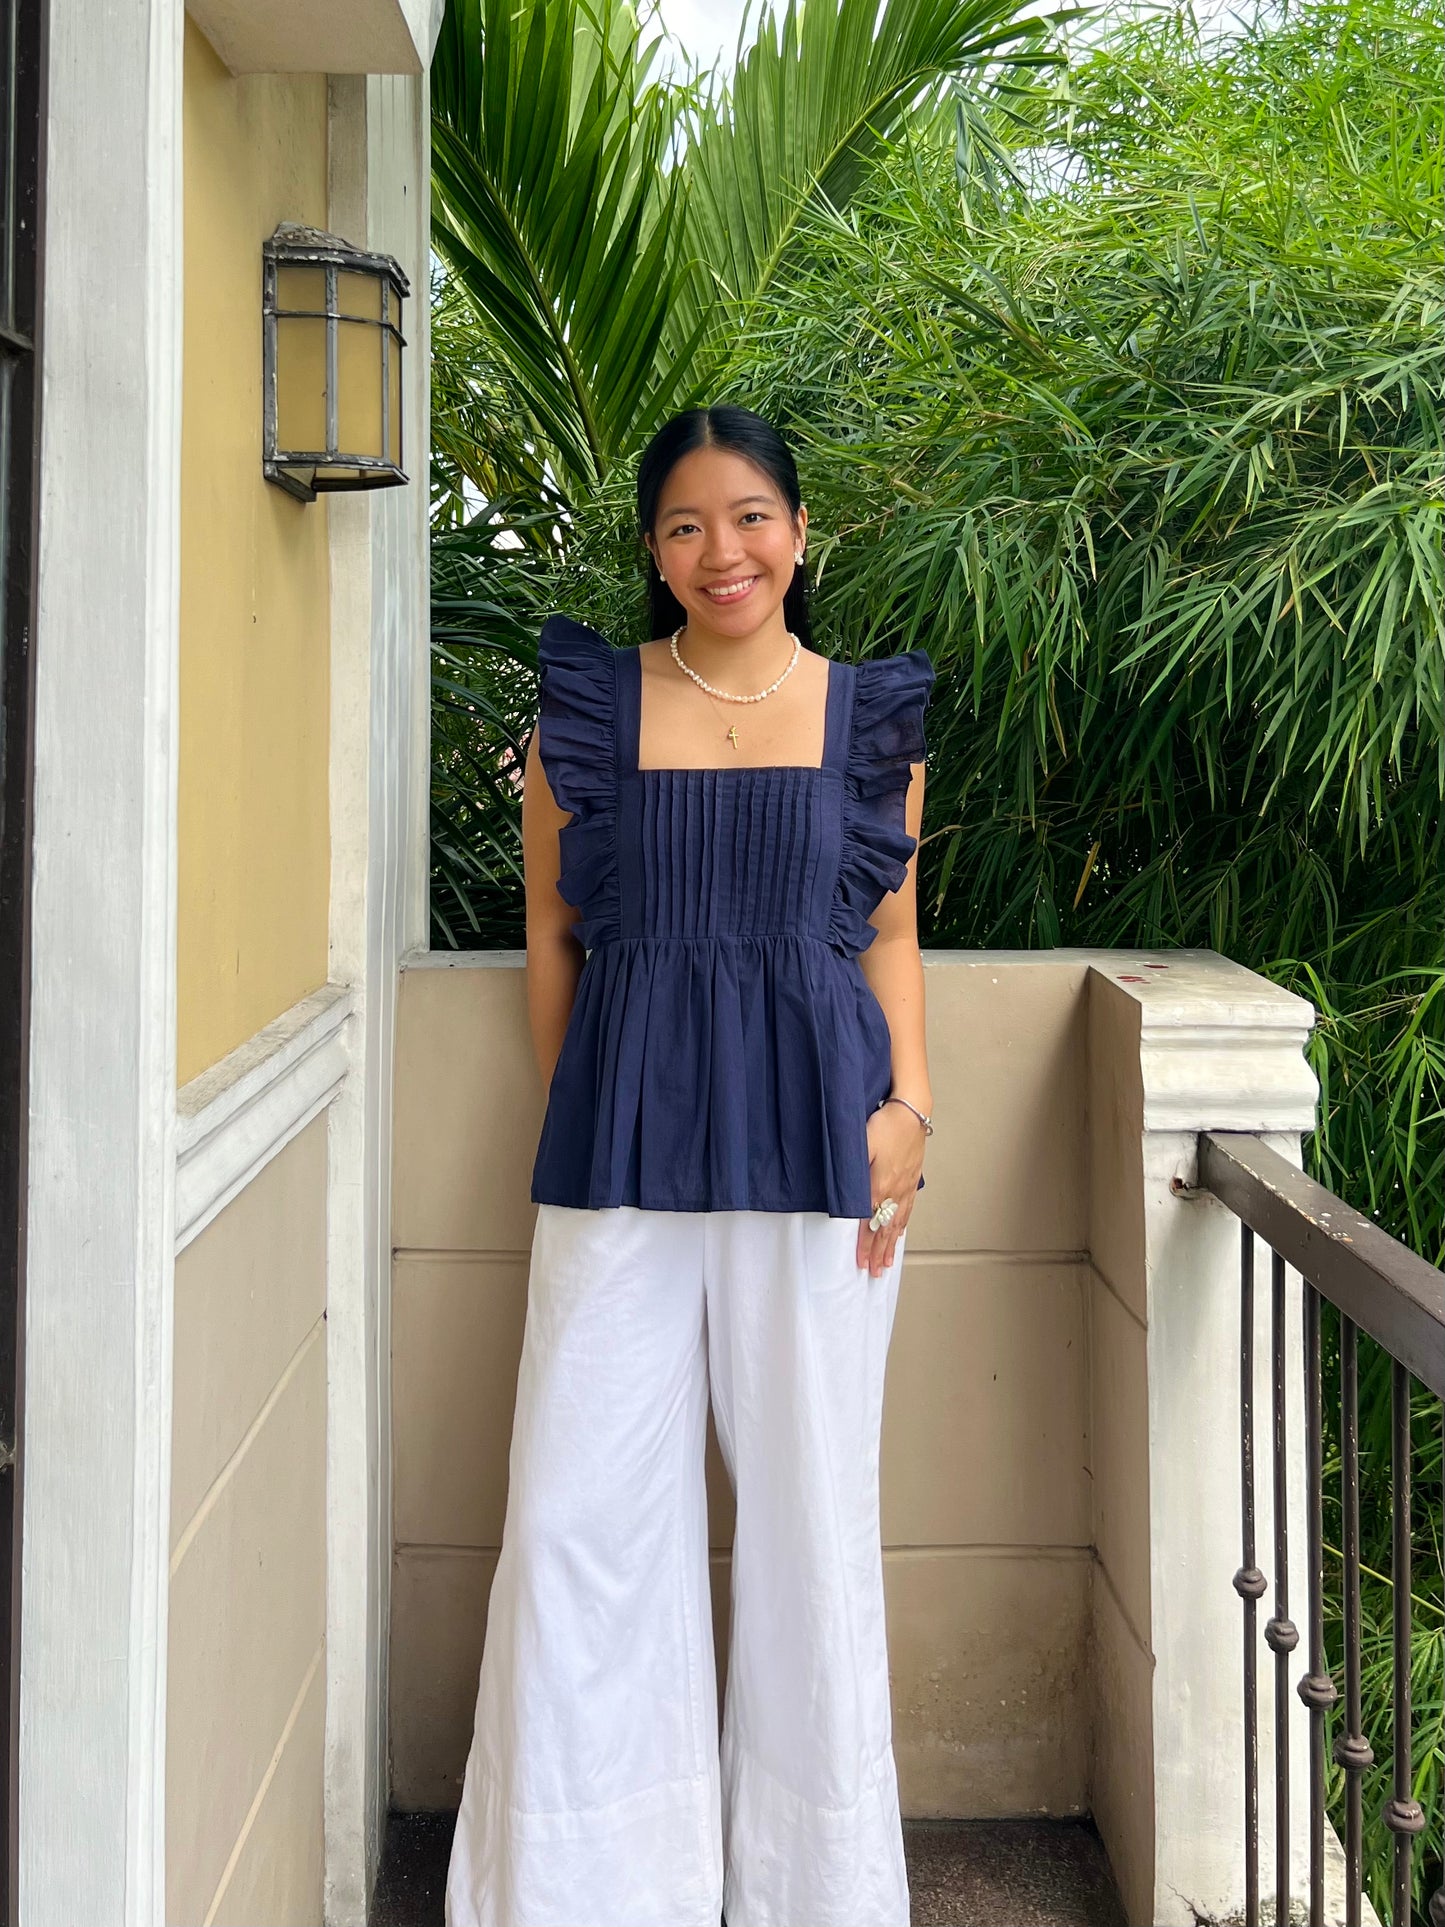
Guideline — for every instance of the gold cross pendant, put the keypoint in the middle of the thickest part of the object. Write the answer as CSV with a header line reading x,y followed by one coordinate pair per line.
x,y
733,735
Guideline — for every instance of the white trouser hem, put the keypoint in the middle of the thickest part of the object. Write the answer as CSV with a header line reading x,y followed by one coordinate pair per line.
x,y
651,1859
791,1863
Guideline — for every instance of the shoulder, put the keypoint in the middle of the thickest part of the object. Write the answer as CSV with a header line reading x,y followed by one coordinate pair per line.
x,y
892,686
563,638
576,711
904,677
890,697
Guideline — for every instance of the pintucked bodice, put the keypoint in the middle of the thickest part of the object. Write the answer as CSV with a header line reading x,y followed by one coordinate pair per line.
x,y
728,852
724,1049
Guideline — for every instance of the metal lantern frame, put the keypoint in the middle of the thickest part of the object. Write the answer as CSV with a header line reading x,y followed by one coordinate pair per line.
x,y
294,246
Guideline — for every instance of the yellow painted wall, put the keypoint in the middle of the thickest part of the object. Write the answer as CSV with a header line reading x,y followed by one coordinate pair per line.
x,y
255,583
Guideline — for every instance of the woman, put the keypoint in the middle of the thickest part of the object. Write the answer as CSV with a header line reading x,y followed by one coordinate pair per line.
x,y
736,1114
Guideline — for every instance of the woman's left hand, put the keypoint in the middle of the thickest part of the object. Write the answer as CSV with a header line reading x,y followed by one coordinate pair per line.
x,y
895,1163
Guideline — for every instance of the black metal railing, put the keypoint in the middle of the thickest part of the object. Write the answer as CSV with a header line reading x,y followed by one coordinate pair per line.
x,y
1381,1288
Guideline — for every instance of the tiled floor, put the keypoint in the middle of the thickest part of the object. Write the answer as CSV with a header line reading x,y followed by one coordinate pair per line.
x,y
961,1873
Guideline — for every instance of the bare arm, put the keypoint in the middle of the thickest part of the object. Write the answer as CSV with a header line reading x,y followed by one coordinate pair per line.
x,y
554,956
893,966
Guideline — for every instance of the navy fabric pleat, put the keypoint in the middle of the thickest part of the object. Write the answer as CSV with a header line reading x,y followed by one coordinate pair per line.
x,y
725,1049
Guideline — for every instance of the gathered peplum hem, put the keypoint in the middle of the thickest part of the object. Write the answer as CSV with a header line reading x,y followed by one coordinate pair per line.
x,y
721,1074
725,1049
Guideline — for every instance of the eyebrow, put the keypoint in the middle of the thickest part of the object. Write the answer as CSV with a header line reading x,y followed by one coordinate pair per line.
x,y
689,510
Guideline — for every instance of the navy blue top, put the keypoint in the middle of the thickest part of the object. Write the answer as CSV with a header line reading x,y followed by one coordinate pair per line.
x,y
725,1049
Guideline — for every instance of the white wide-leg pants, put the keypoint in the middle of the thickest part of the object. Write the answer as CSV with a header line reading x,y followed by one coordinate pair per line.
x,y
598,1792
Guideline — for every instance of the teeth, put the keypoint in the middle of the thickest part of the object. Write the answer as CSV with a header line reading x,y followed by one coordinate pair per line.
x,y
735,588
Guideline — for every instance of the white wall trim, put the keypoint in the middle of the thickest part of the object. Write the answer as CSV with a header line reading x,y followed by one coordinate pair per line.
x,y
235,1117
94,1465
380,791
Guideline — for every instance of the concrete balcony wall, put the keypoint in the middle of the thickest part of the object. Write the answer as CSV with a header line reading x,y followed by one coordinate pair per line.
x,y
1060,1451
987,1517
1180,1043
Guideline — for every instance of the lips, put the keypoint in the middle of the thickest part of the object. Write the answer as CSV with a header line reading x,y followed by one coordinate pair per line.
x,y
734,592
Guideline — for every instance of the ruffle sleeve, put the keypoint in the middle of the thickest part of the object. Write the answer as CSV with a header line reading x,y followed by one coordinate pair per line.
x,y
890,696
577,735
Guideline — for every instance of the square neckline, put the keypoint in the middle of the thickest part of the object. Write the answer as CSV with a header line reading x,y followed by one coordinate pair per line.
x,y
629,702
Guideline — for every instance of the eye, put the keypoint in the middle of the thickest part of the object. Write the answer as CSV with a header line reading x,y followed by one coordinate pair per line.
x,y
760,513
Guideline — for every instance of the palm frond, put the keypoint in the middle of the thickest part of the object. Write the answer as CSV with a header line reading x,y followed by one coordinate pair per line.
x,y
554,212
813,101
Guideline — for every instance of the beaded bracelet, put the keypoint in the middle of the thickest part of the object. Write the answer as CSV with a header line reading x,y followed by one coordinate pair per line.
x,y
925,1121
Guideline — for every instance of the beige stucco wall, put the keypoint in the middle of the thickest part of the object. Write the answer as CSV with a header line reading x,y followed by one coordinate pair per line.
x,y
255,590
991,1435
246,1681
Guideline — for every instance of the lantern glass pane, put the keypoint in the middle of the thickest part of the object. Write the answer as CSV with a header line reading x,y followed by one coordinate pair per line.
x,y
358,375
359,295
301,385
303,288
335,472
393,382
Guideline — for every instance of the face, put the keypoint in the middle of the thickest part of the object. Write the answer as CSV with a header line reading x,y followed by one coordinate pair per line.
x,y
722,523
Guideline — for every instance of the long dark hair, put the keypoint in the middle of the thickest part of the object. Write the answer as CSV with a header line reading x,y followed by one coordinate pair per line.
x,y
722,426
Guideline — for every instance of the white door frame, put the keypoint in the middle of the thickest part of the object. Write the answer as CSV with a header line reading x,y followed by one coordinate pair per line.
x,y
94,1466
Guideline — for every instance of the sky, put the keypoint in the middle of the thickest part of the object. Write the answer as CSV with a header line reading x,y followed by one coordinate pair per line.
x,y
707,29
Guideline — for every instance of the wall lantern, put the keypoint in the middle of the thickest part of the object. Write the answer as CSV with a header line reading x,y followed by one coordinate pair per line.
x,y
331,363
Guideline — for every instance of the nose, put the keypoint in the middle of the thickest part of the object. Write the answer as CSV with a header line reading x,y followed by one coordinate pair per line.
x,y
722,549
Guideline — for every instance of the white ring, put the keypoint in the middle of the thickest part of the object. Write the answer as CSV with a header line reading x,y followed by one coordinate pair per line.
x,y
884,1213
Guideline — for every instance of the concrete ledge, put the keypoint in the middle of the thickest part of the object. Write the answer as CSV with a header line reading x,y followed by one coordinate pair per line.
x,y
320,36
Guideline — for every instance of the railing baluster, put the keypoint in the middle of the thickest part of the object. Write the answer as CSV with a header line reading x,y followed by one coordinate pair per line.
x,y
1352,1750
1281,1633
1249,1580
1395,1297
1403,1813
1316,1689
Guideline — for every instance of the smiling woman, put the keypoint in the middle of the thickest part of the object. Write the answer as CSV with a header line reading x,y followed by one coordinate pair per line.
x,y
724,1180
722,883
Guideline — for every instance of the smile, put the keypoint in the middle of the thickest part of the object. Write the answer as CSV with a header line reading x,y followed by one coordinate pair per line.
x,y
732,590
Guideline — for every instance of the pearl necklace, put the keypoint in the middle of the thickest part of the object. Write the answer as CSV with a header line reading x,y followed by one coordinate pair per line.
x,y
725,694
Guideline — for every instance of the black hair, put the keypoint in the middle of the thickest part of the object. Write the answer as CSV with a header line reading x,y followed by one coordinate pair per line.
x,y
724,425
